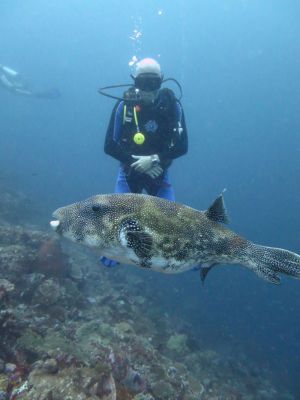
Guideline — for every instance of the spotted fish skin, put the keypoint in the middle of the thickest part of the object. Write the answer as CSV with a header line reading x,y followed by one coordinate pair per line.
x,y
166,236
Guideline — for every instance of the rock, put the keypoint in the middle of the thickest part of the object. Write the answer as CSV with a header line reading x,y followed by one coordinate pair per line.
x,y
49,292
50,366
76,272
163,391
9,367
3,383
51,260
206,382
32,343
134,381
5,287
70,383
105,389
3,395
123,329
143,396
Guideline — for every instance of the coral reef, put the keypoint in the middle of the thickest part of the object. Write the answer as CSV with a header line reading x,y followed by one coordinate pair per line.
x,y
70,329
178,344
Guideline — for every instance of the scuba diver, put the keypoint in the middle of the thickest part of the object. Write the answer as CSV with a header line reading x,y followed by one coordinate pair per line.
x,y
146,132
12,81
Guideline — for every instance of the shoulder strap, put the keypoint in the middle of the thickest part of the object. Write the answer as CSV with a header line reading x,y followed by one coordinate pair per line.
x,y
127,114
171,105
168,96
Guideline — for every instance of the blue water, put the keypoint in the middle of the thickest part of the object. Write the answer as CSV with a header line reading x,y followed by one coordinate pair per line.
x,y
238,62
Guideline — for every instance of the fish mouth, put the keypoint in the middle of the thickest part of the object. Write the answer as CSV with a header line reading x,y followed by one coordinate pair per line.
x,y
58,227
54,224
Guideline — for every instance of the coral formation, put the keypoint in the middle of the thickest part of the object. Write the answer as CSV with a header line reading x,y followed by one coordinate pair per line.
x,y
178,344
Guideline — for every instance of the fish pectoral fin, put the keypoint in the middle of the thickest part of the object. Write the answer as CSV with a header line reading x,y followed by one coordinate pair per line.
x,y
141,243
204,270
132,236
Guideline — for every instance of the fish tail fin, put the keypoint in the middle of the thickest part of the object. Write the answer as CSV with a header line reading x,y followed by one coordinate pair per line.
x,y
269,262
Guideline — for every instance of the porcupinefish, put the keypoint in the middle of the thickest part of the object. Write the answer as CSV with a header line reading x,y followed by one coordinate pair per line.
x,y
168,237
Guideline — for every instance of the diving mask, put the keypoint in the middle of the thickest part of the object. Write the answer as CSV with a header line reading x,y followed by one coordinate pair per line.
x,y
148,82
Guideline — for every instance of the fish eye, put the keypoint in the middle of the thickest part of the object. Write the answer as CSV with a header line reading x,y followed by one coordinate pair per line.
x,y
96,207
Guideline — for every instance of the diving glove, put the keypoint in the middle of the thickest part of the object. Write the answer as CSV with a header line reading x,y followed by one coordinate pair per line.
x,y
155,171
145,163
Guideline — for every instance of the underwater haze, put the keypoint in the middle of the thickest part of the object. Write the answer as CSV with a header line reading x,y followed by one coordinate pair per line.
x,y
238,63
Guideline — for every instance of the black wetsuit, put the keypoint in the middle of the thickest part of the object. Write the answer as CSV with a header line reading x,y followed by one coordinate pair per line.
x,y
163,126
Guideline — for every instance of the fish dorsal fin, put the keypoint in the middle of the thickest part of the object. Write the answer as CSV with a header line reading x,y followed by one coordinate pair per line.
x,y
217,211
